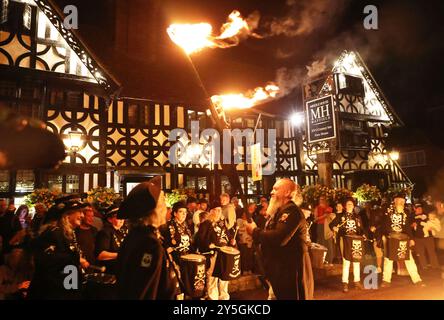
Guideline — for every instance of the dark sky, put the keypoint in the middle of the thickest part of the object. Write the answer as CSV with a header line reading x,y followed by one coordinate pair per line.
x,y
405,54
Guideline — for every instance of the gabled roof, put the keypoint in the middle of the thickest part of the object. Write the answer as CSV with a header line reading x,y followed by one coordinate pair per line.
x,y
103,77
292,102
363,71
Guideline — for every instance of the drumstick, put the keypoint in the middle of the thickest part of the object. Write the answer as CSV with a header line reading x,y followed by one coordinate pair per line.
x,y
235,233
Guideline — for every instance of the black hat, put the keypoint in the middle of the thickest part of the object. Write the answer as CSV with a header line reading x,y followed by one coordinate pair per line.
x,y
178,205
60,208
141,200
215,204
111,211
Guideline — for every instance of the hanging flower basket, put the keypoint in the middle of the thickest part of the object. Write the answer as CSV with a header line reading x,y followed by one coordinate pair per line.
x,y
44,196
367,193
312,193
340,194
101,198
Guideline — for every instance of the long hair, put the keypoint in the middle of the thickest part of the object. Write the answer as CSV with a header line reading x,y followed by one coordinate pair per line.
x,y
63,224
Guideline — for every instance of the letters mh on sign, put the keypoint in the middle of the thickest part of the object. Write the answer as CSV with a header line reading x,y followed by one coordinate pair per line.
x,y
321,119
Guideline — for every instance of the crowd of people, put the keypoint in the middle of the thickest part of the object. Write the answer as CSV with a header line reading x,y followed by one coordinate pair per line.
x,y
140,249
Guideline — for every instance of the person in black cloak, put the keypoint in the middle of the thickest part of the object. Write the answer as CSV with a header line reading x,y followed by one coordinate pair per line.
x,y
144,270
284,245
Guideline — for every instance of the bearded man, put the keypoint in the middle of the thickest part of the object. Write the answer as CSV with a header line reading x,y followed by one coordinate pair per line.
x,y
284,245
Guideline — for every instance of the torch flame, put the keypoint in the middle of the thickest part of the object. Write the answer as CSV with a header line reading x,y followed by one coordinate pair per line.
x,y
245,101
195,37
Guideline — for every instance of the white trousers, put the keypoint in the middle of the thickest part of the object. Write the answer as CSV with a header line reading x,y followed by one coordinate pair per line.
x,y
409,264
217,289
346,271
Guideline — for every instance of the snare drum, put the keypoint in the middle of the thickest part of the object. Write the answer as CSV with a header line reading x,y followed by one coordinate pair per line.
x,y
398,246
353,248
227,264
192,272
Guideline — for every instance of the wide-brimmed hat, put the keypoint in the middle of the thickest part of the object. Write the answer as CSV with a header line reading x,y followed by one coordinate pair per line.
x,y
111,211
141,200
61,208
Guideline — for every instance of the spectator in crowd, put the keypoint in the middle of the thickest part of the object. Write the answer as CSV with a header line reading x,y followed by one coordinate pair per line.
x,y
202,206
86,235
9,226
23,217
237,207
245,244
192,207
15,275
321,212
329,237
261,216
423,229
228,210
439,235
40,211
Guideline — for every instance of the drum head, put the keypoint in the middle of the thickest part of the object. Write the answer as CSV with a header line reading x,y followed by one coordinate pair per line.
x,y
193,257
230,250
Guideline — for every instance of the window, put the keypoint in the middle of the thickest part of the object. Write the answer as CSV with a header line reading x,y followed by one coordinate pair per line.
x,y
350,85
225,184
412,159
74,100
146,115
27,17
4,11
4,181
202,183
191,182
55,182
132,115
25,181
72,183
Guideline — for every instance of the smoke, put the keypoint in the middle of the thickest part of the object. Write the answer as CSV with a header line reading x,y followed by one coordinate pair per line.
x,y
289,79
304,17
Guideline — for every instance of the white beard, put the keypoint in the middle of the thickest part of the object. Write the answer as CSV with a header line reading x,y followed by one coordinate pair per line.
x,y
273,206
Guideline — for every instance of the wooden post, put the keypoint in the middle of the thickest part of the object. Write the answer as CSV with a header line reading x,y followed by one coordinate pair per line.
x,y
325,169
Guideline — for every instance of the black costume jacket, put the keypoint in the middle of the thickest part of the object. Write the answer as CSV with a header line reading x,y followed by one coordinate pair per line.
x,y
176,236
285,252
143,269
348,223
109,239
397,222
52,253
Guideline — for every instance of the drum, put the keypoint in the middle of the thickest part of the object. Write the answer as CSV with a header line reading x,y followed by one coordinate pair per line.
x,y
317,255
192,273
353,248
227,264
100,286
398,246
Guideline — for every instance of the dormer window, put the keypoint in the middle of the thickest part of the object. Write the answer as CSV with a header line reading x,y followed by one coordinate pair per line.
x,y
4,6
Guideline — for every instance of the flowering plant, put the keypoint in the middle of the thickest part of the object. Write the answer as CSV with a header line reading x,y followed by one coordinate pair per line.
x,y
44,196
101,197
312,193
367,193
340,194
173,197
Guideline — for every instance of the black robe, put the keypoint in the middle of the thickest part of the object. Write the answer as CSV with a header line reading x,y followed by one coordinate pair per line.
x,y
109,239
285,252
143,270
52,253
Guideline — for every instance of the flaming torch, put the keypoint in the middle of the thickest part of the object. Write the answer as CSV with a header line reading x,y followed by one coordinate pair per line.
x,y
193,38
